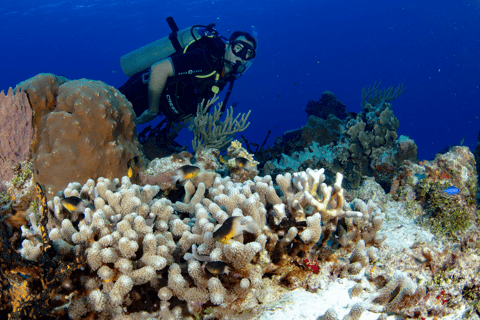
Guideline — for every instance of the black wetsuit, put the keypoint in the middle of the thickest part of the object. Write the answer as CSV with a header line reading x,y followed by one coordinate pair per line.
x,y
185,89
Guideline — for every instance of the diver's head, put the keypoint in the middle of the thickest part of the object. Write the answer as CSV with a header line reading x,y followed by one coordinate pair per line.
x,y
240,48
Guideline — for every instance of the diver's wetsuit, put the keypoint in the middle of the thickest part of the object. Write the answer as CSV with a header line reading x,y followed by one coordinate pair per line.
x,y
185,89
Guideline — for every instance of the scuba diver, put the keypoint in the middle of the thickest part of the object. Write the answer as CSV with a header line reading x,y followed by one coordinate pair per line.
x,y
173,75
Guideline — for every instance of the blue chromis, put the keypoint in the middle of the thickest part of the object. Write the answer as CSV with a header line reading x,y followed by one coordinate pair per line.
x,y
131,164
74,204
185,172
217,267
233,227
451,190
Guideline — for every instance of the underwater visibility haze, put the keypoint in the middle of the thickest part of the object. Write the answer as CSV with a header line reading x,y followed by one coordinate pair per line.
x,y
338,216
305,48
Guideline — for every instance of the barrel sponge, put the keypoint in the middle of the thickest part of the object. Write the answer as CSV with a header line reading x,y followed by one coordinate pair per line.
x,y
83,129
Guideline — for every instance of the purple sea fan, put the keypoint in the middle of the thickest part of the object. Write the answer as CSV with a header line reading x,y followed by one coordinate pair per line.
x,y
15,131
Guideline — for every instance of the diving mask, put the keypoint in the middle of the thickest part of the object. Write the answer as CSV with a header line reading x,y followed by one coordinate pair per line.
x,y
243,50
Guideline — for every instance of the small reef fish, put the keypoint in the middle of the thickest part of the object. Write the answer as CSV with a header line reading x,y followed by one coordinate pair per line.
x,y
74,204
185,172
131,164
217,267
244,163
232,227
451,190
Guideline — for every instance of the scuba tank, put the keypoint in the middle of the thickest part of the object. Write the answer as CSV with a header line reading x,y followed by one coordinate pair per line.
x,y
143,58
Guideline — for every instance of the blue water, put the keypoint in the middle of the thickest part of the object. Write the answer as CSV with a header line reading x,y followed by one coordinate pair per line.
x,y
305,48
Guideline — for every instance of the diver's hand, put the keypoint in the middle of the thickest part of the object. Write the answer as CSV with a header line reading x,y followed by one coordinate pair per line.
x,y
146,117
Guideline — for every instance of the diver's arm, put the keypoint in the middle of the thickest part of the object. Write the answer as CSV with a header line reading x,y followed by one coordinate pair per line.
x,y
159,73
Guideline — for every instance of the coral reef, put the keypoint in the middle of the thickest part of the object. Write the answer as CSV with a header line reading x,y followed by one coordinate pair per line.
x,y
240,173
209,132
371,95
326,105
147,256
366,145
15,131
224,242
74,119
422,187
31,290
135,244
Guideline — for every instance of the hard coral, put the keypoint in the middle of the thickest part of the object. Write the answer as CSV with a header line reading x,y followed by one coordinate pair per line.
x,y
327,104
450,215
83,129
138,246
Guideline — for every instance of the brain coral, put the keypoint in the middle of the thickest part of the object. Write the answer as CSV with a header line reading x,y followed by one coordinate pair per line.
x,y
83,129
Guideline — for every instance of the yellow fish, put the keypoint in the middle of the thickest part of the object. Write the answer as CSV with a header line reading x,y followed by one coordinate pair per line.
x,y
217,267
185,172
233,227
244,163
74,204
131,164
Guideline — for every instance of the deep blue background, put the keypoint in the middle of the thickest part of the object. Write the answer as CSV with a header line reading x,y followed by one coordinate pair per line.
x,y
305,48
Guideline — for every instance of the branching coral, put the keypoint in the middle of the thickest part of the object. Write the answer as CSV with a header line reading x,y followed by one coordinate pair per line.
x,y
142,248
372,95
209,132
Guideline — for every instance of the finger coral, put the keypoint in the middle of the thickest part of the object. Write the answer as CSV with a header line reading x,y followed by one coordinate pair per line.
x,y
146,254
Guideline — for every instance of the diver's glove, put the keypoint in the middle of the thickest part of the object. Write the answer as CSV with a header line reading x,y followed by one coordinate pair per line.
x,y
145,117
